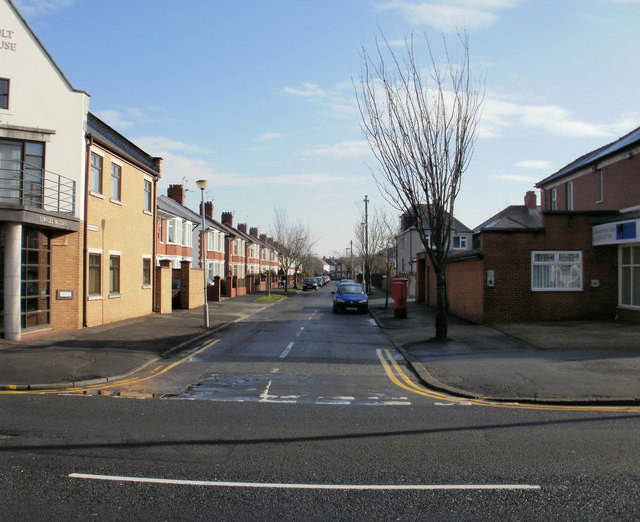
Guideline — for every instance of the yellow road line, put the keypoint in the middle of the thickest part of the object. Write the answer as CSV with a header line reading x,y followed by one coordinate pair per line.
x,y
155,372
397,375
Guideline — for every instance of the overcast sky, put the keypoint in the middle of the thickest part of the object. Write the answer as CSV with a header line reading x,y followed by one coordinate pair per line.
x,y
257,95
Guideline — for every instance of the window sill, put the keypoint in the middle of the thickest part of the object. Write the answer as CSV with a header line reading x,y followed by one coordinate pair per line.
x,y
556,289
96,194
146,287
115,295
94,297
116,201
147,212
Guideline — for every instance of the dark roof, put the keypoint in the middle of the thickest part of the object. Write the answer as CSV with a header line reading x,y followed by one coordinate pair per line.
x,y
626,141
512,218
458,226
116,141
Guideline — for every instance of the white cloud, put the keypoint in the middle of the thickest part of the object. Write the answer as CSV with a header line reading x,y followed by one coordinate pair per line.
x,y
343,149
514,177
157,145
452,14
37,8
127,117
534,164
269,136
500,115
338,102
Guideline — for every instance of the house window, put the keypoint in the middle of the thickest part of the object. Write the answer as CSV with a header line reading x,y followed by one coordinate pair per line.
x,y
600,186
554,199
171,231
570,195
4,93
556,271
94,274
187,239
116,182
460,242
95,174
114,274
147,195
630,276
146,272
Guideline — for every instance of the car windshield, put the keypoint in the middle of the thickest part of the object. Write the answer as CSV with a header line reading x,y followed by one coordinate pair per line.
x,y
350,289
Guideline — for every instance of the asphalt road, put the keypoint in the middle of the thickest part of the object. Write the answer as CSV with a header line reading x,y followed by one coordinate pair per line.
x,y
328,436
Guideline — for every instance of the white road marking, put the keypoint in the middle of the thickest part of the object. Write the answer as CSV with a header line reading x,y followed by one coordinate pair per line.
x,y
264,396
286,350
276,485
299,331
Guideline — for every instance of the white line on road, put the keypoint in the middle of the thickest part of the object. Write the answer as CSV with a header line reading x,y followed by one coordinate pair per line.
x,y
299,332
264,396
286,350
275,485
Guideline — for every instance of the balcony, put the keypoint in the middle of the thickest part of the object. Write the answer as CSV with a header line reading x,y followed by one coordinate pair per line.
x,y
31,187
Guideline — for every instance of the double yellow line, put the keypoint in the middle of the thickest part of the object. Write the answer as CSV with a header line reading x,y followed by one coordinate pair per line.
x,y
150,374
398,376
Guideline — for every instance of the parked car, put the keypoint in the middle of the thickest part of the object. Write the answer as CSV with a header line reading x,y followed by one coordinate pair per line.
x,y
326,279
320,281
350,297
310,283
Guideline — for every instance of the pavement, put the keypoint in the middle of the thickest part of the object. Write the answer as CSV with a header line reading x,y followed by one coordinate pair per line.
x,y
564,362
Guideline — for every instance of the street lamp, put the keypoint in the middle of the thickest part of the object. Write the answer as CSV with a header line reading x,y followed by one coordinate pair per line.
x,y
203,184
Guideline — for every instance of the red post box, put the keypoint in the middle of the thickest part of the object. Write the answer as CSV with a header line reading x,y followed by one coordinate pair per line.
x,y
399,294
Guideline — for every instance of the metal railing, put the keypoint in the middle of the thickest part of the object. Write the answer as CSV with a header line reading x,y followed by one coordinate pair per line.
x,y
30,186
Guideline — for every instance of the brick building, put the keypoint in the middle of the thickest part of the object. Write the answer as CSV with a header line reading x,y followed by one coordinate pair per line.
x,y
119,226
575,257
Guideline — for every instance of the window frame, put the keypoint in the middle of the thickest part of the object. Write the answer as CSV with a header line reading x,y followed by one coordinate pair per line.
x,y
114,270
4,96
96,173
633,263
147,203
116,195
554,199
569,195
600,196
146,272
555,270
93,277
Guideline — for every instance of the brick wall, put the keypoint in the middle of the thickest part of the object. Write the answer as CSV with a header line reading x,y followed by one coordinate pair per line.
x,y
124,229
66,274
508,254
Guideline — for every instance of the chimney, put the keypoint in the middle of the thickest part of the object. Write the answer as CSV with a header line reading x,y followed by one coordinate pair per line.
x,y
253,232
208,209
176,193
263,238
530,200
227,218
242,227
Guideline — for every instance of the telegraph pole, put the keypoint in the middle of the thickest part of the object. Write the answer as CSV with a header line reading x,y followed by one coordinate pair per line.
x,y
366,275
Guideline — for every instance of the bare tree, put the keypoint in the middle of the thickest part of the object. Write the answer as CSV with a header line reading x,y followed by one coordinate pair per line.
x,y
422,128
292,243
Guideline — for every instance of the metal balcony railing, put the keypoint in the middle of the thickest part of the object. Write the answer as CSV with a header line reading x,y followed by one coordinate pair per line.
x,y
26,185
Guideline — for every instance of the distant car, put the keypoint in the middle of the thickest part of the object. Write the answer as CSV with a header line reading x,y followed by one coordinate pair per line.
x,y
320,281
350,297
310,283
326,279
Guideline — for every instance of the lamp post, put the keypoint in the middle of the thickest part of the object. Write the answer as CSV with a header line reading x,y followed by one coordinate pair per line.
x,y
203,184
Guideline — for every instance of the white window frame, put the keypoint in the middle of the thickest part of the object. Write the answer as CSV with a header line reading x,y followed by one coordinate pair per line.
x,y
570,195
554,199
631,265
556,272
462,242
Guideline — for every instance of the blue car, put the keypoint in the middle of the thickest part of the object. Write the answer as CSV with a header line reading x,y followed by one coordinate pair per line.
x,y
350,297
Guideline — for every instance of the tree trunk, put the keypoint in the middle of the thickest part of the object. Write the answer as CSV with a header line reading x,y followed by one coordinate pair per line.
x,y
442,303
